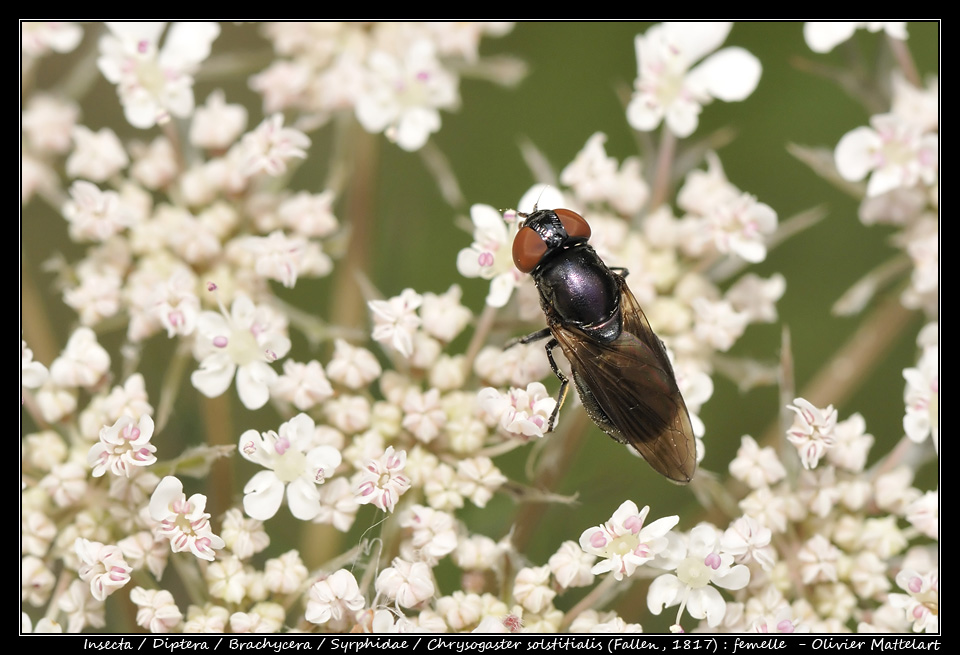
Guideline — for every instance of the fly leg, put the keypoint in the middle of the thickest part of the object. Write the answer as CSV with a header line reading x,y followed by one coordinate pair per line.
x,y
564,381
530,338
564,384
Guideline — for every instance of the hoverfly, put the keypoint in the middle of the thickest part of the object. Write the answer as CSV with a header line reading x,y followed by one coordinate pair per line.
x,y
619,365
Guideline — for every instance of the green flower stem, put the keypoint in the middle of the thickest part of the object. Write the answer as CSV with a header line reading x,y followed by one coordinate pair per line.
x,y
170,388
348,308
220,431
664,173
560,453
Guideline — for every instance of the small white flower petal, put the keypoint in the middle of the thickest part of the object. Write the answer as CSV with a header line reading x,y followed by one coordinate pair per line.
x,y
263,495
824,36
696,39
468,263
213,377
188,44
253,384
169,490
707,603
303,499
736,578
682,118
854,153
501,288
729,75
665,591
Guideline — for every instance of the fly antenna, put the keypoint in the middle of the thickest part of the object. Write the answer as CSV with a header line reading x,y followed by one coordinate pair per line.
x,y
545,187
535,205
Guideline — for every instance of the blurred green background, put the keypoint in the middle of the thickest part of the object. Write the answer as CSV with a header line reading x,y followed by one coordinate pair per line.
x,y
577,75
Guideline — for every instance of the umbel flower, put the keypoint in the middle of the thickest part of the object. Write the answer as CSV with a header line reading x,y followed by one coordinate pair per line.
x,y
334,598
102,566
382,480
699,561
624,543
921,603
183,521
241,343
123,447
812,431
396,320
402,95
409,583
520,412
922,396
295,463
673,87
155,83
894,152
489,257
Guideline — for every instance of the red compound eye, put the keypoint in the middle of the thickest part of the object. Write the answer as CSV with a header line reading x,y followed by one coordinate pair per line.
x,y
528,249
573,223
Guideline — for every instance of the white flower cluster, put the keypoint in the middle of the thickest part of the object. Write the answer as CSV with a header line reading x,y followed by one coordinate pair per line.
x,y
673,83
196,242
155,82
898,155
395,76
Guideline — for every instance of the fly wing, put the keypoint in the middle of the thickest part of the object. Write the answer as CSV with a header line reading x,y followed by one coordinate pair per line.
x,y
631,381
